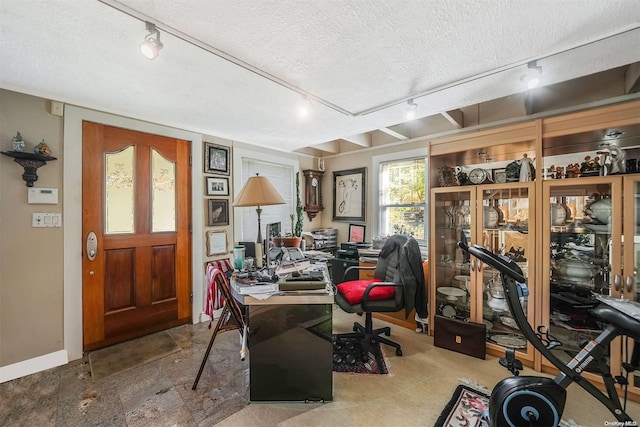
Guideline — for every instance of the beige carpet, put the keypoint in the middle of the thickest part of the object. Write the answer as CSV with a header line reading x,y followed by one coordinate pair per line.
x,y
130,354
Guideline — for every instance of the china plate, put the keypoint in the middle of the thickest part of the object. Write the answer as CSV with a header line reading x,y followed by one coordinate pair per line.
x,y
451,293
449,311
598,228
512,341
508,321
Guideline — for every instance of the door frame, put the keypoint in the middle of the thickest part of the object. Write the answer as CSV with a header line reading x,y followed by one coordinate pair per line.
x,y
72,218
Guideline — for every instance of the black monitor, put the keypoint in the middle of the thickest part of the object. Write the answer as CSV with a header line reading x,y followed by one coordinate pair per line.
x,y
249,249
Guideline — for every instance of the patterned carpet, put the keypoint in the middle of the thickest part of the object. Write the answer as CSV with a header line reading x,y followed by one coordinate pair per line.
x,y
346,357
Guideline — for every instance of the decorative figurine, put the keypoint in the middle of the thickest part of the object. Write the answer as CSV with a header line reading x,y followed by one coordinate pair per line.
x,y
527,172
590,166
614,161
17,142
42,148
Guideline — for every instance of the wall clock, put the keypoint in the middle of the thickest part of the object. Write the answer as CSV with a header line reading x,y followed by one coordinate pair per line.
x,y
313,192
479,176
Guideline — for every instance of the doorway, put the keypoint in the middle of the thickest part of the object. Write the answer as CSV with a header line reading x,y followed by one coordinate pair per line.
x,y
136,216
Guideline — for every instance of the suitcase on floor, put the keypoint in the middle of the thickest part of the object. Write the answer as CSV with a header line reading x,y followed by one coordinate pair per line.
x,y
463,337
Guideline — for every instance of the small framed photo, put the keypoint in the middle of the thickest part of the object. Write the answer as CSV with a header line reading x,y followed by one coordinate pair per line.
x,y
217,186
500,176
356,233
217,242
218,212
217,159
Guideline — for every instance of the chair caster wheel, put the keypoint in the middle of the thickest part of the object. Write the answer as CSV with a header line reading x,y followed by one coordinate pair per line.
x,y
398,352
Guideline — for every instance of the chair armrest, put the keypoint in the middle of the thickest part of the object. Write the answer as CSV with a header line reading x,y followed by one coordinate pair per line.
x,y
358,267
365,296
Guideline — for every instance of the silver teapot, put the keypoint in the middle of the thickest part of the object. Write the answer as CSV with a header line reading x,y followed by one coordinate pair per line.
x,y
599,210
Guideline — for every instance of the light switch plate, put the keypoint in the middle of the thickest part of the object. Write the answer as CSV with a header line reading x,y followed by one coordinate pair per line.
x,y
47,220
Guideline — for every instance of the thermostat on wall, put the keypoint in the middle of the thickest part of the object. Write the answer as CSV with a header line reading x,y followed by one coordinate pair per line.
x,y
43,196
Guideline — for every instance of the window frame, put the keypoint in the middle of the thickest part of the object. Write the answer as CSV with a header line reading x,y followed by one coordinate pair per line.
x,y
377,162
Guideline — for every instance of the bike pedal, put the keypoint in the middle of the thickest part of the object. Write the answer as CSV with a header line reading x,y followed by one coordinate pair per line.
x,y
621,380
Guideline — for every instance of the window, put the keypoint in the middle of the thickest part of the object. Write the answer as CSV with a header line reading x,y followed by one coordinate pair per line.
x,y
281,173
403,197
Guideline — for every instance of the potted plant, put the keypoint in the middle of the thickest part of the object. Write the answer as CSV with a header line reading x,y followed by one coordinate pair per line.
x,y
294,240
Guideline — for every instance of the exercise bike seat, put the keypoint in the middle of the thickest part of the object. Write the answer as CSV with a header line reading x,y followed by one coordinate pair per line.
x,y
627,325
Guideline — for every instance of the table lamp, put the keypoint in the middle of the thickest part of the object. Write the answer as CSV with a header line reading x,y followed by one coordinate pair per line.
x,y
258,191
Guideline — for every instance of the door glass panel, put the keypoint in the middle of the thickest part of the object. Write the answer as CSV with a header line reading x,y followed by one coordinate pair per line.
x,y
163,193
453,224
505,231
580,263
119,191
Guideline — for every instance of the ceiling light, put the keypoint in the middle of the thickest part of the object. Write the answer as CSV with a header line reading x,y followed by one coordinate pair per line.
x,y
304,108
532,78
412,109
152,44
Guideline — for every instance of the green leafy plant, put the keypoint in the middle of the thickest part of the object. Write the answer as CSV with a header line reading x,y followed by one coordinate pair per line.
x,y
297,229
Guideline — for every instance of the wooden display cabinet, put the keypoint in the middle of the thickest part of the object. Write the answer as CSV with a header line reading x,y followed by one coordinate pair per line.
x,y
595,246
498,215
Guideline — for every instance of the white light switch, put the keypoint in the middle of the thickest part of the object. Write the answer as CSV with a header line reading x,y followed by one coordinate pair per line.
x,y
47,220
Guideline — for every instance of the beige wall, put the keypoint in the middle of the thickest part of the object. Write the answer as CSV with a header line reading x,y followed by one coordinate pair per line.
x,y
31,259
40,268
359,159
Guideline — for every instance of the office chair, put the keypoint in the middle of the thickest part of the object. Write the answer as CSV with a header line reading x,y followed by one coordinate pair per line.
x,y
398,284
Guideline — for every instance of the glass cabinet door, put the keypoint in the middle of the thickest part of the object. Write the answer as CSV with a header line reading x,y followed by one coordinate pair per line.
x,y
580,257
452,212
504,225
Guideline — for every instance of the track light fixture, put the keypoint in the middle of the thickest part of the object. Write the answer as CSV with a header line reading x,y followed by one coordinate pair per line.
x,y
412,109
532,78
152,44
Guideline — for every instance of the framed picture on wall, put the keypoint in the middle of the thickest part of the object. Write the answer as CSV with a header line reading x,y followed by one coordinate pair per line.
x,y
217,186
217,242
349,189
218,212
217,159
356,233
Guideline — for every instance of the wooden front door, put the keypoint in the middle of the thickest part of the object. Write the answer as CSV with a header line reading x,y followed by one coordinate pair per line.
x,y
136,206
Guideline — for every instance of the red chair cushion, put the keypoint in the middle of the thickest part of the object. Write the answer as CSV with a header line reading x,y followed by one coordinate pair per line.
x,y
353,291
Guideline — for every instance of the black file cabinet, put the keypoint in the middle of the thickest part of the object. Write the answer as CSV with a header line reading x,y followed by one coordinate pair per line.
x,y
338,267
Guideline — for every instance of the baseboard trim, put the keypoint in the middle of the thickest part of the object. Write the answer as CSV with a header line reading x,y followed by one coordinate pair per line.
x,y
32,366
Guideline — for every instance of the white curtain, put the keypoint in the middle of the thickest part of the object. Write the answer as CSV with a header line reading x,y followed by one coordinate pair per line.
x,y
282,178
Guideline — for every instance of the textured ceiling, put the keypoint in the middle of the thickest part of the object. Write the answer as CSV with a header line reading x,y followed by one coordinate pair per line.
x,y
359,60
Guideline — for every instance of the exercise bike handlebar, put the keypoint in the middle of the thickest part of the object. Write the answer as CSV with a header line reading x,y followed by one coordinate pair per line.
x,y
494,261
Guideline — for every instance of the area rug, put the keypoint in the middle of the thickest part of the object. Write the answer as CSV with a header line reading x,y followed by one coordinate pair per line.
x,y
130,354
468,405
465,408
346,357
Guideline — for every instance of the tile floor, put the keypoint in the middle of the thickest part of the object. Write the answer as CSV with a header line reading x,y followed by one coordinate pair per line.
x,y
159,393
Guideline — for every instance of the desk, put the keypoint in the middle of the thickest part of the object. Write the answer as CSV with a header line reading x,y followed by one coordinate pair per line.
x,y
290,346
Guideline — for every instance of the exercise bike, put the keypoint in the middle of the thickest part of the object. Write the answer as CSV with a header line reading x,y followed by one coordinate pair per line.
x,y
539,401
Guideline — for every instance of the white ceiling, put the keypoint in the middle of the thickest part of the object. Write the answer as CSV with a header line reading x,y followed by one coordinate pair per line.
x,y
364,58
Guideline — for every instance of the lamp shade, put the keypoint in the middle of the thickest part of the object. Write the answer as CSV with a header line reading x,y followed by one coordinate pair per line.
x,y
258,191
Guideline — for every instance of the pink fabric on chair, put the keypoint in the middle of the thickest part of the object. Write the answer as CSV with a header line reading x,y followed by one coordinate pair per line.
x,y
214,299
